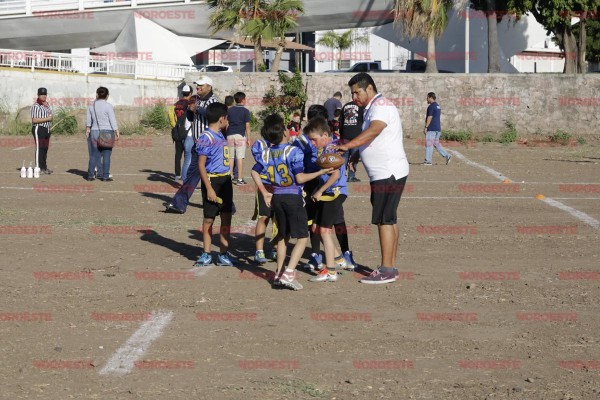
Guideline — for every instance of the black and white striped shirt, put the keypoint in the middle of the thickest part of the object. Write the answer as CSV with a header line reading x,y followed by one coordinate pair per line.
x,y
200,123
40,111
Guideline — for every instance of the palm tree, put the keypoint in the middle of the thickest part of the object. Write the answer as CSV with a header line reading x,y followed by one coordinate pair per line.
x,y
426,19
258,20
341,42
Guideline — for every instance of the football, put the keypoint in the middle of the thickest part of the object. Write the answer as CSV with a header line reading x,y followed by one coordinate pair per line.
x,y
330,160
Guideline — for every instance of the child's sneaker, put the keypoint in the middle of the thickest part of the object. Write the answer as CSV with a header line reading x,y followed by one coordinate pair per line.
x,y
350,263
223,260
259,257
340,262
273,255
288,280
379,277
204,260
314,263
325,276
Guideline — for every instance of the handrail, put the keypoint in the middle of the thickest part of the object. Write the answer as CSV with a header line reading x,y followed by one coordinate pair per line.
x,y
110,64
11,8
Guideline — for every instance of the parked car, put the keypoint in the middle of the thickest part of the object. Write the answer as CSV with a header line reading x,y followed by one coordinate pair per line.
x,y
375,66
214,68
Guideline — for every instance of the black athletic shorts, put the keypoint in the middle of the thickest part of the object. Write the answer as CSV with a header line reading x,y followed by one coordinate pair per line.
x,y
328,211
224,188
260,207
290,215
385,197
311,206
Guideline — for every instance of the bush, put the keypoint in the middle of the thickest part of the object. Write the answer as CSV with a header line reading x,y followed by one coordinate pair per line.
x,y
292,99
581,140
64,122
156,117
510,134
13,126
130,128
487,139
560,137
457,136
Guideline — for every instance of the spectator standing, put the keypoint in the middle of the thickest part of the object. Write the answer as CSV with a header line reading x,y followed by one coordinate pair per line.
x,y
238,134
350,127
184,147
433,131
100,117
333,104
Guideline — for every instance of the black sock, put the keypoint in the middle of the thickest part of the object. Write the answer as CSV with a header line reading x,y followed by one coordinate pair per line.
x,y
315,242
342,236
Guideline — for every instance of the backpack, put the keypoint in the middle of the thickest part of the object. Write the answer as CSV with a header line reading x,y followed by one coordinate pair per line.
x,y
179,133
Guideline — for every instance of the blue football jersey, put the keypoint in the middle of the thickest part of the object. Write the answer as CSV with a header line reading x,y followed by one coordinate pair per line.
x,y
260,152
342,183
213,145
309,151
285,161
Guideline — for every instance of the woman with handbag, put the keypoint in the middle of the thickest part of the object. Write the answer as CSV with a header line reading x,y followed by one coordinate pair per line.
x,y
102,131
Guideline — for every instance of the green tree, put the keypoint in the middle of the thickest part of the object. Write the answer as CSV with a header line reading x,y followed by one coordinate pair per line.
x,y
341,42
258,20
494,11
426,19
556,16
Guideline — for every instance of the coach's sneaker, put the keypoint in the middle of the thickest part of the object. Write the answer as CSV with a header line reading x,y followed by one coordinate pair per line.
x,y
325,276
448,159
315,262
204,260
259,257
288,280
350,263
224,260
379,277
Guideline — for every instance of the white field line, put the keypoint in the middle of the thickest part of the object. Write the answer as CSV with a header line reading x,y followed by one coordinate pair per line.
x,y
123,361
594,223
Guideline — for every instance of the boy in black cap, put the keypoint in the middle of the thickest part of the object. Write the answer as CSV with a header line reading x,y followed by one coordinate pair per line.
x,y
41,119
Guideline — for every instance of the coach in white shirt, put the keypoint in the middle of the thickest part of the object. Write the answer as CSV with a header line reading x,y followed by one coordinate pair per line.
x,y
382,152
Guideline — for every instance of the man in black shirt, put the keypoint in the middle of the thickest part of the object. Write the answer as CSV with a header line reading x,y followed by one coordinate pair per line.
x,y
351,123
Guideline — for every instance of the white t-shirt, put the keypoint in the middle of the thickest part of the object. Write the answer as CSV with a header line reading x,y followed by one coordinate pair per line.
x,y
384,156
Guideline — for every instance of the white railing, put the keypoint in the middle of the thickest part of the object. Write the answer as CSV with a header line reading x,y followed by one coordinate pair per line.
x,y
32,7
93,64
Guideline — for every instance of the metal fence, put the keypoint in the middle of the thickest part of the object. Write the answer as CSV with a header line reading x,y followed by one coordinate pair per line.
x,y
92,64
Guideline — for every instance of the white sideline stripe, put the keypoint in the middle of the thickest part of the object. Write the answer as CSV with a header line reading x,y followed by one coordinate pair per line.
x,y
201,271
580,215
20,148
487,169
594,223
123,361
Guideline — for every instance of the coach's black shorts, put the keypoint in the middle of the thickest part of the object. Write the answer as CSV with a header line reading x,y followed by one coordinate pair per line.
x,y
224,188
311,205
385,197
328,212
290,215
260,207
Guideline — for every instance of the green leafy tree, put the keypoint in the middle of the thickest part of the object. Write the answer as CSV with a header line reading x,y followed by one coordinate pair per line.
x,y
426,19
341,42
556,16
259,20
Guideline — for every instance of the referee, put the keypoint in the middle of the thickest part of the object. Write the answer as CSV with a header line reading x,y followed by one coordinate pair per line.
x,y
41,119
197,112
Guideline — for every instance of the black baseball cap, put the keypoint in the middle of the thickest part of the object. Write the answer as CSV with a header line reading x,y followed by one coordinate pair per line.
x,y
42,91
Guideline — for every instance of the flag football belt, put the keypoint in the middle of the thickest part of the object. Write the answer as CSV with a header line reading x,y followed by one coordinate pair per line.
x,y
328,196
218,175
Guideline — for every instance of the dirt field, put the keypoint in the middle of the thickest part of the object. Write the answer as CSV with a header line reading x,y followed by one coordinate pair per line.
x,y
498,297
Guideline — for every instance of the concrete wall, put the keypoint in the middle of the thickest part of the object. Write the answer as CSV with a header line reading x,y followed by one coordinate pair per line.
x,y
478,102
